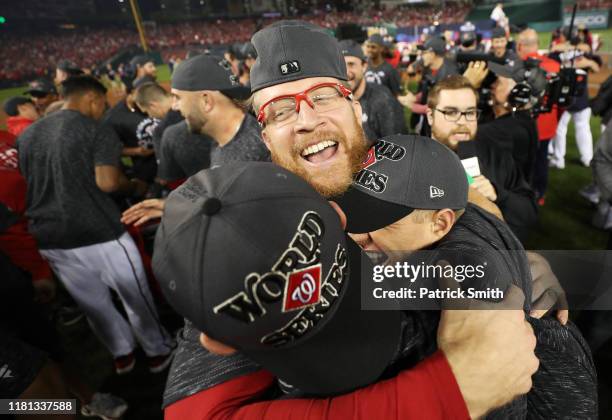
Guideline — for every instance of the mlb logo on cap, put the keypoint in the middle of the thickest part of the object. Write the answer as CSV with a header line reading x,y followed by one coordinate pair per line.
x,y
290,67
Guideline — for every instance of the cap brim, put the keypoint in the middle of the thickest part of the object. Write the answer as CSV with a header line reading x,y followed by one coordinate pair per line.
x,y
500,70
421,47
365,213
238,92
352,350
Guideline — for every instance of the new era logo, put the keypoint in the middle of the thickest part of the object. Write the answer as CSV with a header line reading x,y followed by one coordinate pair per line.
x,y
290,67
5,372
435,192
303,288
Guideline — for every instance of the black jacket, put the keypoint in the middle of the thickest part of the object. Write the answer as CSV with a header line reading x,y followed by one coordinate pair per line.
x,y
515,198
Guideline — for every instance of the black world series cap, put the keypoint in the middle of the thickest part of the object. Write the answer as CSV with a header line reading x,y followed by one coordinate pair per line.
x,y
208,72
403,173
292,50
435,44
256,259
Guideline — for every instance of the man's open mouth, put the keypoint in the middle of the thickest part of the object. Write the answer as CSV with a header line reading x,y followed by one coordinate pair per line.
x,y
320,152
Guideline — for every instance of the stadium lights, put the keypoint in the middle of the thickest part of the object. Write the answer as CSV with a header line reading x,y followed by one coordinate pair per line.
x,y
2,20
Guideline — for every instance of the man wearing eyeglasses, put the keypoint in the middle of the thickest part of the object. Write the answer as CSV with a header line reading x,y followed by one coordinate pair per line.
x,y
312,126
453,116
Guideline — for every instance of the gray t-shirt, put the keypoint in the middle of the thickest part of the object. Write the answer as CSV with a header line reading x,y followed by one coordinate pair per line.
x,y
57,156
246,146
384,75
182,153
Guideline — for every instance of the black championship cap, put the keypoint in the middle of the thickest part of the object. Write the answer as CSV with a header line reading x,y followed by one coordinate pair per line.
x,y
41,87
292,50
256,259
498,32
11,105
403,173
208,72
377,39
350,48
435,44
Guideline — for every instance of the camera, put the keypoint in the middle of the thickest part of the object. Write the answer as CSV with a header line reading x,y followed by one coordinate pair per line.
x,y
562,88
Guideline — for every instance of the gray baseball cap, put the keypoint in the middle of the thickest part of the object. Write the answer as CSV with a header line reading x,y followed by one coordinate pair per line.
x,y
350,48
513,69
208,72
435,44
403,173
498,32
258,260
292,50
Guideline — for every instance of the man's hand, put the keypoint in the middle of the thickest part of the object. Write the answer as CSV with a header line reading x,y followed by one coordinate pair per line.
x,y
484,187
475,197
407,100
547,292
44,290
143,212
491,352
476,73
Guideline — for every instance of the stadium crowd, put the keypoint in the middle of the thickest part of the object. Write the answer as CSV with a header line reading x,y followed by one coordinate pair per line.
x,y
231,170
31,57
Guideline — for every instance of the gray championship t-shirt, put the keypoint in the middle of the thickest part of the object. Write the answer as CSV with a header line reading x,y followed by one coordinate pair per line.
x,y
57,156
182,153
384,75
247,145
382,114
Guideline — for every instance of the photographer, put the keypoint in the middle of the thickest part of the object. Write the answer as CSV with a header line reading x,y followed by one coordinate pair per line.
x,y
513,129
547,122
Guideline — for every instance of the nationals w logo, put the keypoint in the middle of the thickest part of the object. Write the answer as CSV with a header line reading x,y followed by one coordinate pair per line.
x,y
303,288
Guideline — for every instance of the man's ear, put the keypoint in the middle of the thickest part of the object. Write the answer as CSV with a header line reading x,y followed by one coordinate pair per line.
x,y
357,110
216,347
443,222
429,116
207,101
266,139
340,212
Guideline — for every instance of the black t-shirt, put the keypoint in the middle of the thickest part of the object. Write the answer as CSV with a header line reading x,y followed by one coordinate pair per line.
x,y
134,129
384,75
182,153
517,134
382,114
247,145
57,156
171,118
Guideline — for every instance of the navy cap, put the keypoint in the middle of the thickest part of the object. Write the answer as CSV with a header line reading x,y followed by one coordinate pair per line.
x,y
208,72
11,105
41,87
498,32
141,60
350,48
293,50
435,44
293,302
377,39
69,67
403,173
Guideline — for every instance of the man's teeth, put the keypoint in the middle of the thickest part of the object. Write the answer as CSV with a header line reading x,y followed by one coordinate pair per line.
x,y
316,148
